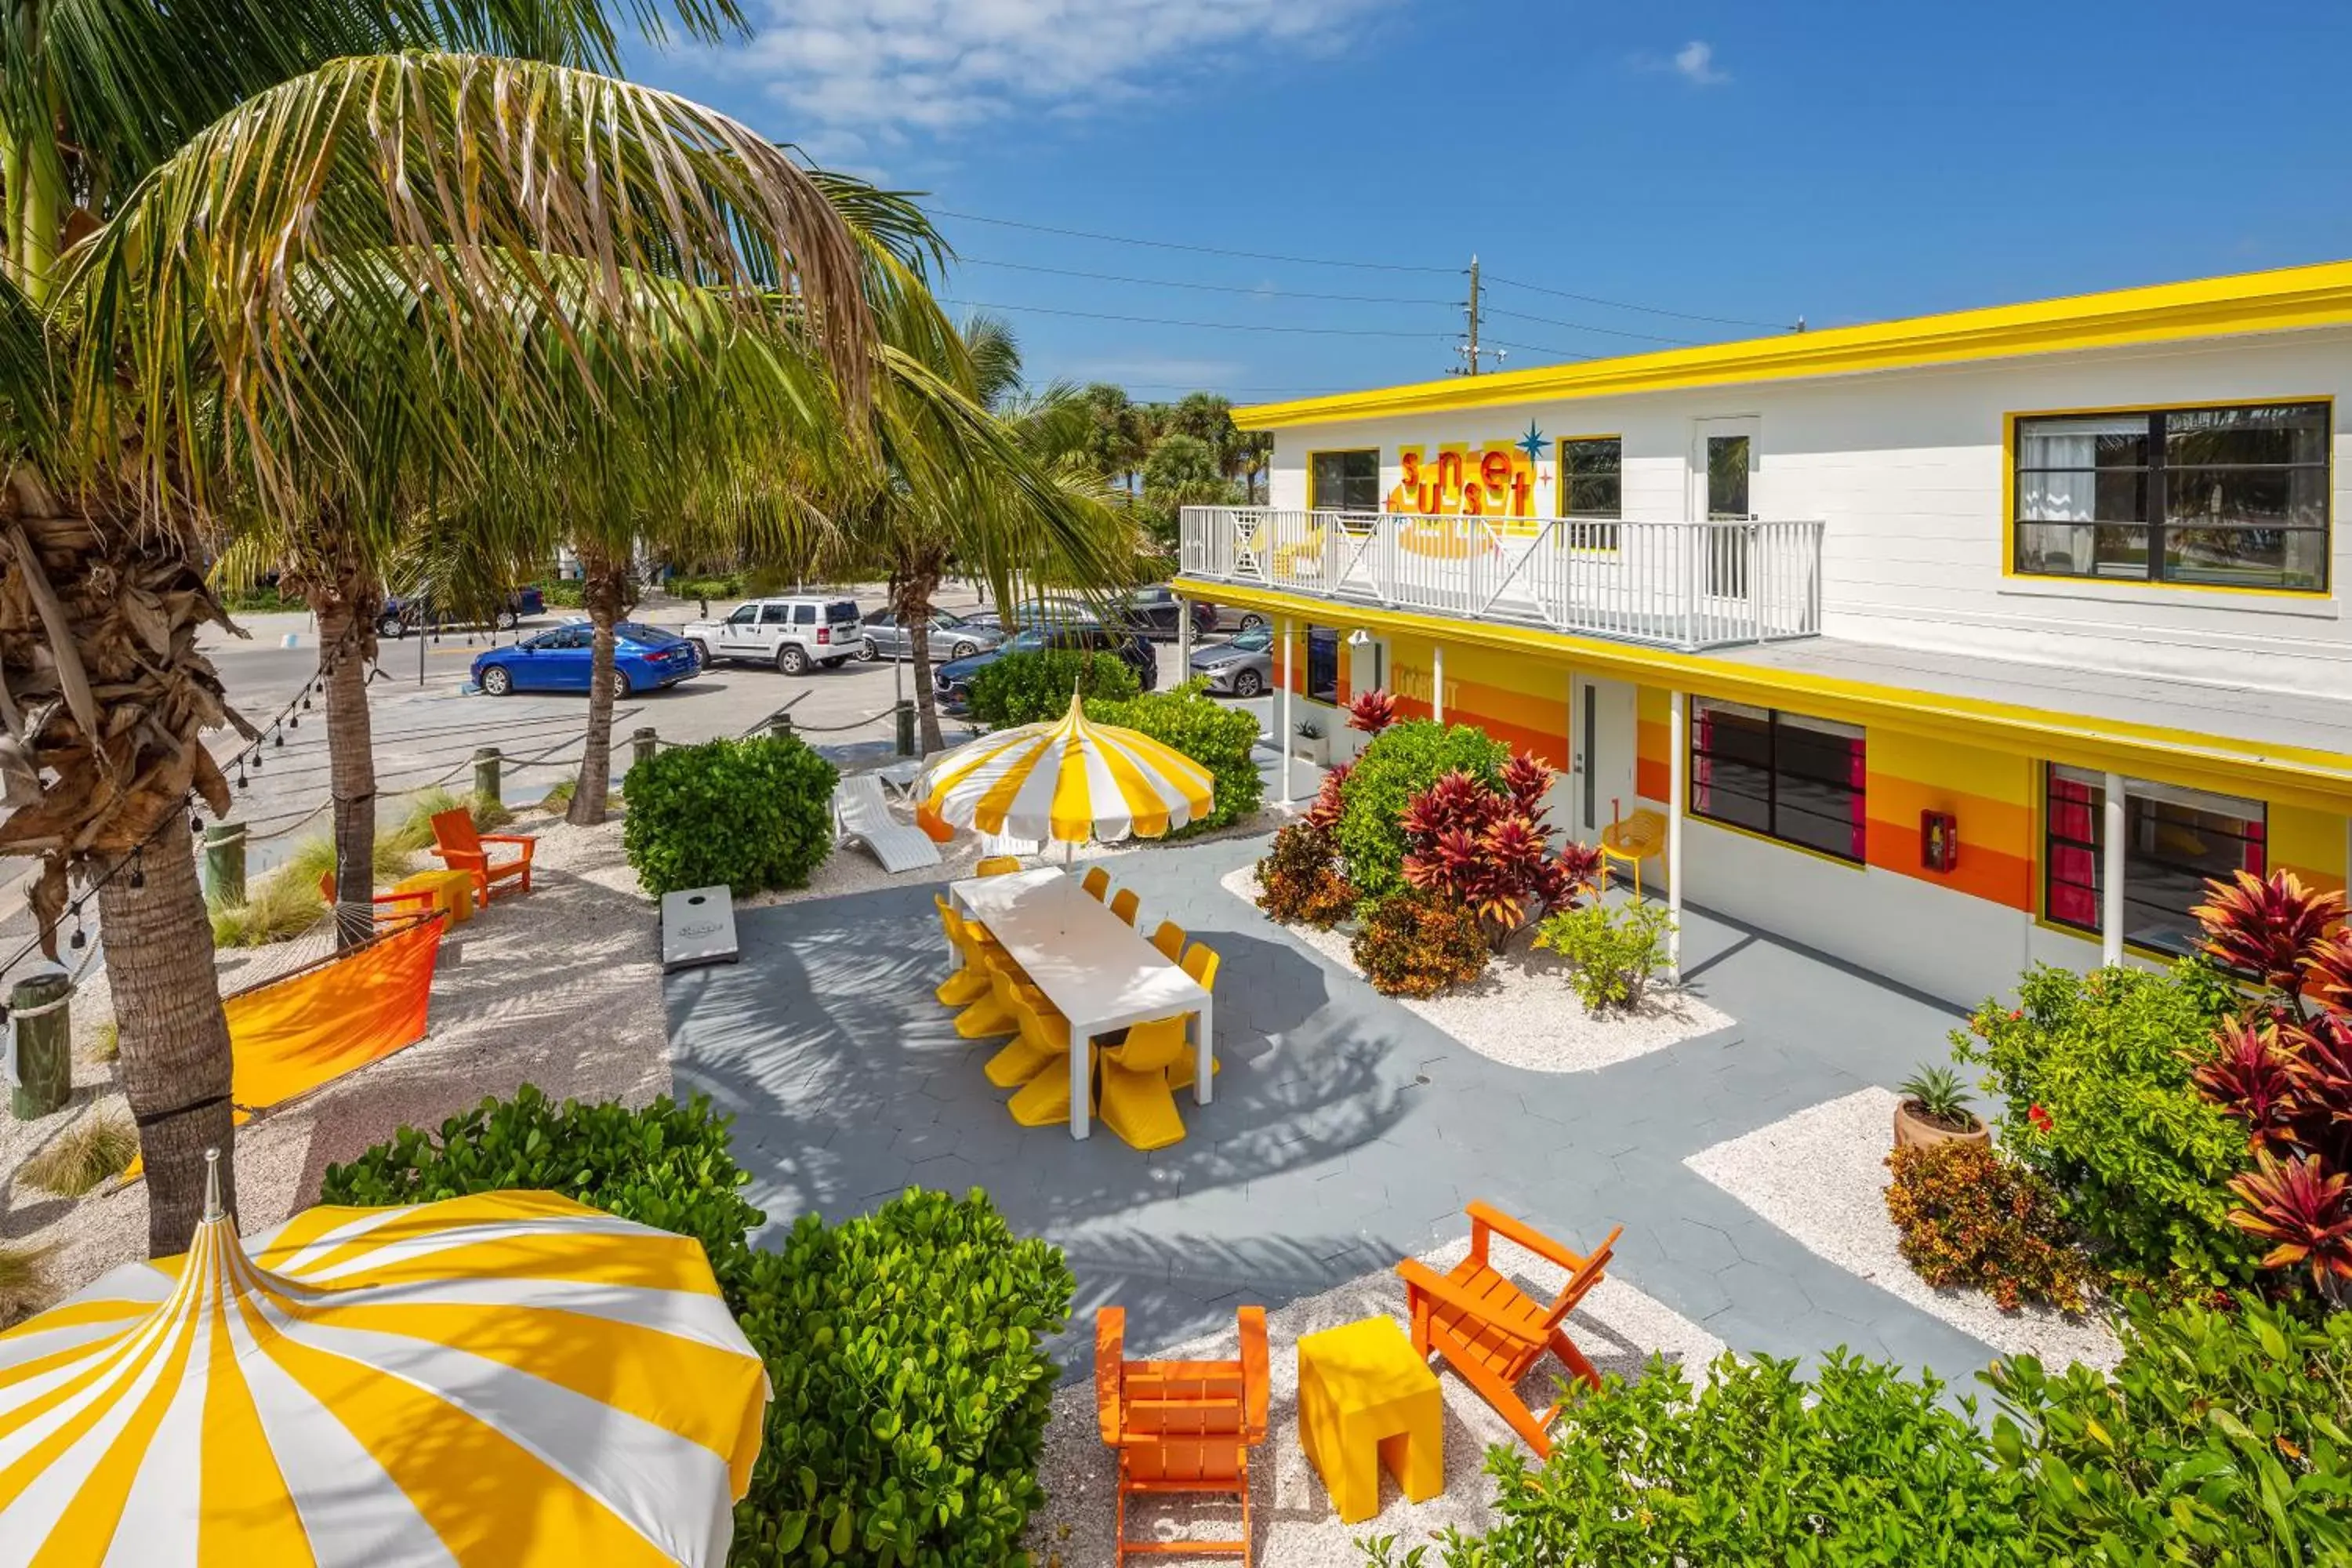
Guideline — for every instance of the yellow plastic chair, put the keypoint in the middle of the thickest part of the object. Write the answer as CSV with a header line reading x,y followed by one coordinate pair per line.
x,y
984,1016
1044,1100
1169,940
1135,1101
1033,1051
1126,903
1097,882
998,866
968,984
1201,961
1632,840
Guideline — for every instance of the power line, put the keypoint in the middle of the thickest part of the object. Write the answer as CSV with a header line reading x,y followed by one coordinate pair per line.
x,y
1213,288
1208,326
1628,305
1198,249
1537,349
1582,327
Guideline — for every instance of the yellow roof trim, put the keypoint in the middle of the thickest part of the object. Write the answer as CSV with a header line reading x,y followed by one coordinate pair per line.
x,y
2281,300
2301,775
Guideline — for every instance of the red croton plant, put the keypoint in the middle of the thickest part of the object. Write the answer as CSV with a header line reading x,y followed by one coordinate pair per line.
x,y
1488,850
2285,1069
1371,711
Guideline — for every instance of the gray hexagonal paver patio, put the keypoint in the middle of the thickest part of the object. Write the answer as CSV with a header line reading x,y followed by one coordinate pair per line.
x,y
1346,1131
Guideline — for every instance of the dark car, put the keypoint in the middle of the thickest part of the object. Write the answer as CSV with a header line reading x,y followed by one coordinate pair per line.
x,y
1159,613
644,658
399,617
952,681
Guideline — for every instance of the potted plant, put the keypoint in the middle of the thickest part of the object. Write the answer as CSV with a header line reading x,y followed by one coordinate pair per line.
x,y
1933,1108
1310,747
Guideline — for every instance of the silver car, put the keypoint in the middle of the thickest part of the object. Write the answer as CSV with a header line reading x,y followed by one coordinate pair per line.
x,y
952,637
1239,667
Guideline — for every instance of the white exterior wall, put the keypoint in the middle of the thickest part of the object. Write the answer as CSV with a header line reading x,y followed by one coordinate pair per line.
x,y
1906,469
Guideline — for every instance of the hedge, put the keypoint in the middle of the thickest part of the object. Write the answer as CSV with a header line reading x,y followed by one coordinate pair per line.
x,y
1217,737
1031,688
750,814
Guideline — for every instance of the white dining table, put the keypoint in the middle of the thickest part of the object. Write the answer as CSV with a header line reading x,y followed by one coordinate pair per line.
x,y
1092,966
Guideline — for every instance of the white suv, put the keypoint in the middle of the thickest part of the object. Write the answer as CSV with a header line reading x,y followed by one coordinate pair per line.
x,y
792,633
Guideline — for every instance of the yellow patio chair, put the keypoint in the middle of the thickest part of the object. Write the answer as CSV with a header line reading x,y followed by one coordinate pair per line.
x,y
1031,1051
968,984
998,866
1201,961
1136,1102
1169,940
1125,903
984,1016
1044,1100
1097,882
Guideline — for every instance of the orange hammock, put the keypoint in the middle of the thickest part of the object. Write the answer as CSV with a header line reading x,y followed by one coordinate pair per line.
x,y
289,1036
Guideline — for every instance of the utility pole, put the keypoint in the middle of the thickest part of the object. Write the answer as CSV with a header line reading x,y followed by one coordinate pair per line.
x,y
1470,351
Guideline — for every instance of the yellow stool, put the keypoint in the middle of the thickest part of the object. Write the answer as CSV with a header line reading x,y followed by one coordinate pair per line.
x,y
452,892
1366,1403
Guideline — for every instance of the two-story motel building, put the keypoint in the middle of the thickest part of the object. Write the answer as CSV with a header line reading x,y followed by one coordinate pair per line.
x,y
1945,645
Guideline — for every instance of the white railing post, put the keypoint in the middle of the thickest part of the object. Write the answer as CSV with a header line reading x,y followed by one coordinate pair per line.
x,y
1678,764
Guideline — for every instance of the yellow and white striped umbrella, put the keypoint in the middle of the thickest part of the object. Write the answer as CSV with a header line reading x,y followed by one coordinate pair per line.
x,y
508,1378
1068,781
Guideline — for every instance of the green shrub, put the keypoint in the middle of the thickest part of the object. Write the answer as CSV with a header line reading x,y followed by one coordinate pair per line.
x,y
414,832
260,599
912,1390
1614,953
1299,881
750,814
1420,944
904,1347
1968,1217
1398,763
2219,1439
1217,737
2094,1071
1031,687
1861,1466
561,593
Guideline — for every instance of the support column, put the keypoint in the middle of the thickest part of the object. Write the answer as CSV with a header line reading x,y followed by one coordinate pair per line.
x,y
1183,639
2111,873
1677,760
1437,681
1282,719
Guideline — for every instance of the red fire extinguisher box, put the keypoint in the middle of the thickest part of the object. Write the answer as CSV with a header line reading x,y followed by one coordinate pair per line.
x,y
1940,840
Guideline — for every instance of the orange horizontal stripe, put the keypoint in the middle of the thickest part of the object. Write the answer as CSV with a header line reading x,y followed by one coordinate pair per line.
x,y
1652,779
1652,741
1991,823
1981,872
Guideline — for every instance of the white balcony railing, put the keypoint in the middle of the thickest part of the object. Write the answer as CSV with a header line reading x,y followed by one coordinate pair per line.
x,y
1674,585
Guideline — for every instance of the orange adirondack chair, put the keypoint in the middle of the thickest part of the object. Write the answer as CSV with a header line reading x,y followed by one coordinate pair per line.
x,y
1181,1426
1490,1330
461,849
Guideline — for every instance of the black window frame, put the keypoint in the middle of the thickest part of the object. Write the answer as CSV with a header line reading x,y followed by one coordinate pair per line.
x,y
1774,768
1347,501
2156,472
2145,846
1601,532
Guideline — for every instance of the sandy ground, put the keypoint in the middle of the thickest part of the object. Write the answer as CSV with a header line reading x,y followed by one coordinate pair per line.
x,y
1522,1013
1616,1326
1821,1177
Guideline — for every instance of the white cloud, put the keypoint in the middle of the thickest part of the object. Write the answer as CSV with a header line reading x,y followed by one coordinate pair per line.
x,y
1695,63
885,71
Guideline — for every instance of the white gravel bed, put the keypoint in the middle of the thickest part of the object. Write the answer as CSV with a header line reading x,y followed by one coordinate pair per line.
x,y
560,988
1820,1175
1616,1326
1522,1013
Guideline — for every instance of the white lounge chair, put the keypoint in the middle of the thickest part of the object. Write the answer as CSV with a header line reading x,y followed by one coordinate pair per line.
x,y
1006,843
862,816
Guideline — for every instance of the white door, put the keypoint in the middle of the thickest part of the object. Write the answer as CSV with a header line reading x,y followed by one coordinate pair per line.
x,y
1604,743
737,632
1725,457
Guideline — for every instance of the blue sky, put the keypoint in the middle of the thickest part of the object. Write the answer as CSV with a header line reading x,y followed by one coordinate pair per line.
x,y
1840,162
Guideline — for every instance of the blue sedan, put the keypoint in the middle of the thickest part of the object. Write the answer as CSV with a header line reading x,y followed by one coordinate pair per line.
x,y
644,658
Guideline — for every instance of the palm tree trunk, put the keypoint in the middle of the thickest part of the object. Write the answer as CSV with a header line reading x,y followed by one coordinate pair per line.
x,y
346,606
174,1037
910,601
601,590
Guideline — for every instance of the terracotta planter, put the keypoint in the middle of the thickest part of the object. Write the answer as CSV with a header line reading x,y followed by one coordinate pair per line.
x,y
1917,1133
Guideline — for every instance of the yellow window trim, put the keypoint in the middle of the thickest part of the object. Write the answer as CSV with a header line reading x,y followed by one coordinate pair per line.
x,y
2290,775
2009,570
2282,300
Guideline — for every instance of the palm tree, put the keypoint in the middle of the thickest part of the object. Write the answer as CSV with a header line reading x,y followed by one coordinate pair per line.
x,y
235,198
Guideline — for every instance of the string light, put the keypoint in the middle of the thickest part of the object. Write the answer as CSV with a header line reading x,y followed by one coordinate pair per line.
x,y
139,866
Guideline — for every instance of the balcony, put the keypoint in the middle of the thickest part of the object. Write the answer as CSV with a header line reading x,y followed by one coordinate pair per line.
x,y
1684,585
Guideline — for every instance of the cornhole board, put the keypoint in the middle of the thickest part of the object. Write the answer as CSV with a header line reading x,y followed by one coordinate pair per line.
x,y
698,927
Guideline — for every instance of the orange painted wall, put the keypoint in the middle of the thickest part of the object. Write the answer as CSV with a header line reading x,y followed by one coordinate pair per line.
x,y
2311,843
1653,732
1521,701
1990,796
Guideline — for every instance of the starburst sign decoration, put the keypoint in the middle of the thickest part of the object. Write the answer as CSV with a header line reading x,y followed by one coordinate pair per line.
x,y
1532,444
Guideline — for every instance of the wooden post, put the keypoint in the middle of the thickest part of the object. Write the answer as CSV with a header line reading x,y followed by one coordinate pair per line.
x,y
486,774
44,1026
642,744
225,862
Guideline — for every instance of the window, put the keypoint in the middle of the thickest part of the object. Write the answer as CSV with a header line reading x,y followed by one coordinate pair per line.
x,y
775,614
2227,497
1592,484
805,614
1344,481
2175,839
1784,775
1322,664
744,615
